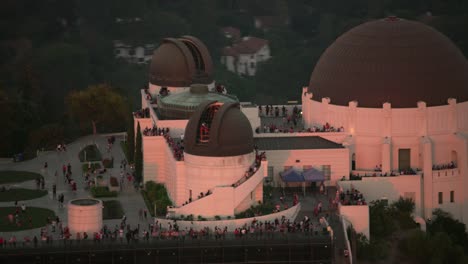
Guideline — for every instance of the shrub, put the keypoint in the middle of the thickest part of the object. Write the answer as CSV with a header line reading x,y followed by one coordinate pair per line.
x,y
156,193
94,166
112,210
47,137
217,217
114,182
108,163
92,154
101,191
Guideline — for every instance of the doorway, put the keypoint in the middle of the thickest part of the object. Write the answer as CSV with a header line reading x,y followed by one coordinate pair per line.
x,y
404,159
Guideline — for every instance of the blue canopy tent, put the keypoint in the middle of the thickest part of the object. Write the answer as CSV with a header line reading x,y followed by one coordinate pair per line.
x,y
313,175
292,176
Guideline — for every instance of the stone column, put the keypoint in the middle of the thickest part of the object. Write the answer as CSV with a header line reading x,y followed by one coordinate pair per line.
x,y
351,129
387,119
428,203
386,156
306,109
453,115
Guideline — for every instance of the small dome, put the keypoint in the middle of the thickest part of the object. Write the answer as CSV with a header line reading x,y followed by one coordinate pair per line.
x,y
180,63
218,130
391,60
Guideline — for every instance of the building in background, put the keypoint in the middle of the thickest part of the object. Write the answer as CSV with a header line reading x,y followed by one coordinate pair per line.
x,y
245,56
139,54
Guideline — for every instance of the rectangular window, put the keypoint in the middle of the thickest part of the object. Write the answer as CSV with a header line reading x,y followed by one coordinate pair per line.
x,y
326,169
441,198
251,196
452,196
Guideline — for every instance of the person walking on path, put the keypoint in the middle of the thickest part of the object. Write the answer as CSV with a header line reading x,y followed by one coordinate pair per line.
x,y
54,191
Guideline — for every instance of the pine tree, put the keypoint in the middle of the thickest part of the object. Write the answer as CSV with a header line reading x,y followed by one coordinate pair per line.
x,y
138,156
131,141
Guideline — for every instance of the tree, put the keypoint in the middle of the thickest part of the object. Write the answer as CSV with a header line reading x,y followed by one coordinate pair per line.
x,y
443,222
381,221
131,140
98,106
138,156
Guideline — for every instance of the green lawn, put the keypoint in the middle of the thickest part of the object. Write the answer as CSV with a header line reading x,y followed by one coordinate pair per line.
x,y
112,210
38,218
92,154
17,176
21,194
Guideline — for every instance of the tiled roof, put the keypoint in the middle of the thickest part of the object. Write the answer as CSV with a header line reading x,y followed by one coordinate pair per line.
x,y
235,33
248,45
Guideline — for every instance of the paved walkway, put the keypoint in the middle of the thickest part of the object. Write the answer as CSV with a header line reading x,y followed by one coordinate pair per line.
x,y
130,199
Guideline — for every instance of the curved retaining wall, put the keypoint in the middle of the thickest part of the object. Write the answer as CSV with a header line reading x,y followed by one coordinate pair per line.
x,y
290,213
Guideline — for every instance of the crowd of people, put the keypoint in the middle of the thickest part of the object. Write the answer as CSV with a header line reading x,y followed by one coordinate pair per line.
x,y
446,166
142,113
176,146
353,197
155,131
253,168
325,128
271,111
55,231
285,128
201,195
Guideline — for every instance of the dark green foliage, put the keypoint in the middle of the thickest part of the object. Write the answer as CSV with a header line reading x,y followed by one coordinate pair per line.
x,y
253,211
420,247
445,223
108,163
101,192
17,176
130,143
156,193
112,210
20,194
382,224
95,165
92,154
46,137
138,156
373,251
402,211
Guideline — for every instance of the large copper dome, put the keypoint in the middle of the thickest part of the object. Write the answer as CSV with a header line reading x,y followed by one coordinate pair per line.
x,y
181,62
229,131
391,60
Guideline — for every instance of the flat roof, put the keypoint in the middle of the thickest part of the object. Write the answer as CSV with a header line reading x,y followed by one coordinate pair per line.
x,y
289,143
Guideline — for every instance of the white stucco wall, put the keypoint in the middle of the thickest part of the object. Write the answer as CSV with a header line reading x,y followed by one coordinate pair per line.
x,y
224,200
290,213
203,173
392,188
358,215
